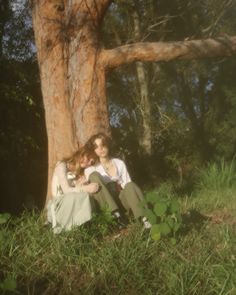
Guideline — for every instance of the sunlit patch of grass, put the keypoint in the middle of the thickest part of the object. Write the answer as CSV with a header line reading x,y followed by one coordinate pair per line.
x,y
216,188
218,177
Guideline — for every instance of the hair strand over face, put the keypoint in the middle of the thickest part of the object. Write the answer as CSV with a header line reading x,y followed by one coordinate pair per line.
x,y
75,159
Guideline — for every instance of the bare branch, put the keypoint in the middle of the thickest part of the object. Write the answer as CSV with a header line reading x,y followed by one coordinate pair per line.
x,y
166,51
223,10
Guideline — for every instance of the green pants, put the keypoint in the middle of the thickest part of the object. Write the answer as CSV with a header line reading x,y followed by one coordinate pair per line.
x,y
129,197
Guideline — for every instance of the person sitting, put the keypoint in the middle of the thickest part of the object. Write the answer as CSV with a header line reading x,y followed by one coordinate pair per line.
x,y
116,189
70,203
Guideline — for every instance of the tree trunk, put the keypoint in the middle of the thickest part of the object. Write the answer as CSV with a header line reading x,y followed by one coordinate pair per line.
x,y
145,107
72,79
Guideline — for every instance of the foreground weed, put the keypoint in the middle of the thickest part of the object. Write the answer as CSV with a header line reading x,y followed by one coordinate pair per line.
x,y
163,211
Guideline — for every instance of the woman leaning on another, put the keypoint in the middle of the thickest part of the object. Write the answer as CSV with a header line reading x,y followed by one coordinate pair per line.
x,y
116,189
70,203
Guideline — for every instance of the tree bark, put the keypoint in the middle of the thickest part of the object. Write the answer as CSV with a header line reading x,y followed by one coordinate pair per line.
x,y
72,78
167,51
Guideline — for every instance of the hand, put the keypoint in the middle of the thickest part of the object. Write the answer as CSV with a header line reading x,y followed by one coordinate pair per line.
x,y
81,180
91,188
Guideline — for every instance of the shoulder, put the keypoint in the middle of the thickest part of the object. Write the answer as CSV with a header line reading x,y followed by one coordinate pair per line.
x,y
118,162
60,165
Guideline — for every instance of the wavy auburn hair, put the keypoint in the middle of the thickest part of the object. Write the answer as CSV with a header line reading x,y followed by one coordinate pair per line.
x,y
75,158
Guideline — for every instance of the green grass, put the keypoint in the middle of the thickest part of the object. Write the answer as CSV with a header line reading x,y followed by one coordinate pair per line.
x,y
218,176
90,260
216,187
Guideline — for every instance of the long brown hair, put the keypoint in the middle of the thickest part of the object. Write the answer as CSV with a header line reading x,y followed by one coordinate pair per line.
x,y
75,158
106,141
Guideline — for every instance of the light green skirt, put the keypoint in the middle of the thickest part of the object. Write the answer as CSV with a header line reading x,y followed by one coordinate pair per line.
x,y
69,210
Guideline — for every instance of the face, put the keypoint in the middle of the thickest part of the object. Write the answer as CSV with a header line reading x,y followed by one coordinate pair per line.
x,y
85,161
100,149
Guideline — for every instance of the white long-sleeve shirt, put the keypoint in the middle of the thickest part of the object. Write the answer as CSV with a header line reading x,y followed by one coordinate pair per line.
x,y
61,181
122,175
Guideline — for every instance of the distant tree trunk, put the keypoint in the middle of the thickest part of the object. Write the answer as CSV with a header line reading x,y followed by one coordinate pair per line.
x,y
145,140
72,67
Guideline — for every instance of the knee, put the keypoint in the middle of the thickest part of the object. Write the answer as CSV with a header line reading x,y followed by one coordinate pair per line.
x,y
95,177
132,188
129,186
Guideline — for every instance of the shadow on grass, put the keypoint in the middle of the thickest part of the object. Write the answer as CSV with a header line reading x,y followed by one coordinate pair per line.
x,y
193,219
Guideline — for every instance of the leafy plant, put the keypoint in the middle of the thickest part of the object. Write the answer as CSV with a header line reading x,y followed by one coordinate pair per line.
x,y
163,213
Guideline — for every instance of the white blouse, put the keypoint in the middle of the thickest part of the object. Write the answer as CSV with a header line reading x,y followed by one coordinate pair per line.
x,y
122,175
63,181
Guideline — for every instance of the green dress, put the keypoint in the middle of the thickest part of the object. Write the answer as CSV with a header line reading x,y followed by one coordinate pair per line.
x,y
69,206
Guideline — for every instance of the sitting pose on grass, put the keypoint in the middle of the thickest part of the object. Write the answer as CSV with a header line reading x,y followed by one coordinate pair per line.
x,y
70,203
116,190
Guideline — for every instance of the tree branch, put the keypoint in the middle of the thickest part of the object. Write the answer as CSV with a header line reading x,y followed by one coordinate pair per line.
x,y
166,51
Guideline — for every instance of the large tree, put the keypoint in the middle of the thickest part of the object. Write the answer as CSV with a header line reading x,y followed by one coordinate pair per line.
x,y
73,65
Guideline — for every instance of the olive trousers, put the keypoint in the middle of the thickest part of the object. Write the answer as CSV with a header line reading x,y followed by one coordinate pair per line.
x,y
128,198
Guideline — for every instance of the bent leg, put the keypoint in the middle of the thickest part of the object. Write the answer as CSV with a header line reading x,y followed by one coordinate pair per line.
x,y
130,198
69,210
103,196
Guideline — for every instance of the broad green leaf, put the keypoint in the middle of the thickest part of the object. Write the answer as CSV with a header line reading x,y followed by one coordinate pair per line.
x,y
170,221
174,206
150,216
143,203
151,197
176,227
160,208
155,232
164,229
